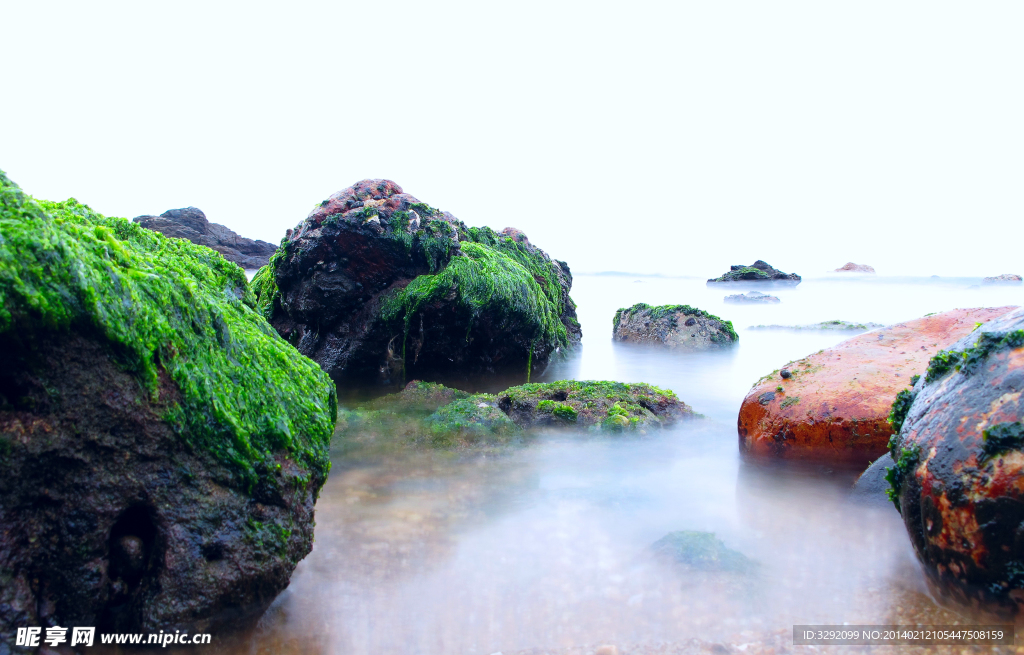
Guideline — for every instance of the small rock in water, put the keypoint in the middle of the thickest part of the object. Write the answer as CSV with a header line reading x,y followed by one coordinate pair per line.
x,y
752,297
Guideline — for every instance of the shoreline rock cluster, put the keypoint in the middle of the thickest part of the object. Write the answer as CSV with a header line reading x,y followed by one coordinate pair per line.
x,y
760,272
191,223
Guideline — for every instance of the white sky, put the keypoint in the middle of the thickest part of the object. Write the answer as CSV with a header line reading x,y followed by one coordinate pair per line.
x,y
671,137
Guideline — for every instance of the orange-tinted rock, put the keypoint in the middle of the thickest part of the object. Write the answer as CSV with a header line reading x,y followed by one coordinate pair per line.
x,y
855,268
834,407
959,476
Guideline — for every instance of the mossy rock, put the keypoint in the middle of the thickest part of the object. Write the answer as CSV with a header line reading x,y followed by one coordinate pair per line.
x,y
676,326
466,421
702,551
612,406
379,287
760,272
417,396
146,407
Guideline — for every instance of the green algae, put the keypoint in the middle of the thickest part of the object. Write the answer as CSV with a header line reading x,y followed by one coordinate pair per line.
x,y
1002,438
662,311
168,307
971,359
702,551
484,282
470,420
900,409
906,462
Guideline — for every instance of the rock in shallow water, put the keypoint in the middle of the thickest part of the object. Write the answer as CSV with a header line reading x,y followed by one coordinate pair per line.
x,y
835,407
755,297
759,272
676,326
378,287
161,449
959,474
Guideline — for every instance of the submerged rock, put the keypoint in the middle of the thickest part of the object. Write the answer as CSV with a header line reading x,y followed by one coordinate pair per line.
x,y
850,267
676,326
758,272
376,286
161,448
434,415
751,297
191,223
702,551
835,406
1005,278
824,325
959,474
872,487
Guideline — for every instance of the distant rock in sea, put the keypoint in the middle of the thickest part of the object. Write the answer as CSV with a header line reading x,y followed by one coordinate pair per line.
x,y
850,267
824,325
758,272
191,223
752,297
675,326
1005,278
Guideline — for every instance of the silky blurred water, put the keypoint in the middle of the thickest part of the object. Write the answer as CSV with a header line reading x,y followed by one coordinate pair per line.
x,y
545,547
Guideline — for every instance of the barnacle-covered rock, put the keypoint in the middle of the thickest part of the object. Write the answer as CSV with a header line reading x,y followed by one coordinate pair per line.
x,y
676,326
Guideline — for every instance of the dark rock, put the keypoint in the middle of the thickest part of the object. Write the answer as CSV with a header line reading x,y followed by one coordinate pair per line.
x,y
191,223
391,289
1005,278
161,449
960,465
871,487
752,297
759,272
675,326
785,374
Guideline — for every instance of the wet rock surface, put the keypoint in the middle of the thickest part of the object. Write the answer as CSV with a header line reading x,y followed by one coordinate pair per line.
x,y
378,287
676,326
760,272
191,223
433,415
960,466
161,449
871,487
850,267
835,406
752,297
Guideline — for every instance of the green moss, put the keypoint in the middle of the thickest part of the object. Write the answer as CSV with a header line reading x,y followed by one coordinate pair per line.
x,y
470,420
971,359
905,464
167,305
484,281
1002,438
914,379
659,312
788,402
900,409
702,551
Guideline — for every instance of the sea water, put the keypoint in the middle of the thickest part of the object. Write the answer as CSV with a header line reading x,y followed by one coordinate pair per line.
x,y
545,549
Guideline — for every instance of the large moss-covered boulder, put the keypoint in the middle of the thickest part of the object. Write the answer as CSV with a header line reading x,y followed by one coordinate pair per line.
x,y
376,286
677,326
161,447
760,273
958,477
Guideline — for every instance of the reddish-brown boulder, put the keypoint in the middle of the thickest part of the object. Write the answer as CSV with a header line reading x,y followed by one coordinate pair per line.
x,y
833,406
959,474
850,267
